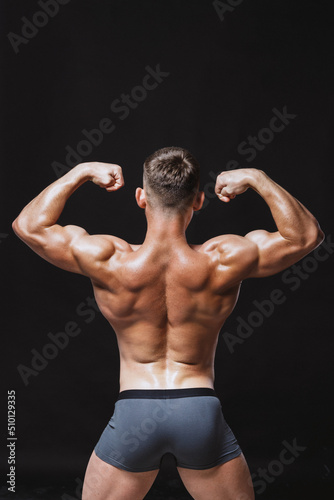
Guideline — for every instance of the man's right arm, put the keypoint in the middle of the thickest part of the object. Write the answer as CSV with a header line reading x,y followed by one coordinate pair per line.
x,y
298,232
69,247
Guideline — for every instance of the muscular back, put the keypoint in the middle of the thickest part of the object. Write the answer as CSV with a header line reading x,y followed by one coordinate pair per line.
x,y
168,303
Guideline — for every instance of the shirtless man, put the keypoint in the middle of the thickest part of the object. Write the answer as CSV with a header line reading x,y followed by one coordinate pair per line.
x,y
167,301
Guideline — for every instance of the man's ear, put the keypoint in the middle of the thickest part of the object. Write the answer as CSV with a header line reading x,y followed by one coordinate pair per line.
x,y
198,201
140,197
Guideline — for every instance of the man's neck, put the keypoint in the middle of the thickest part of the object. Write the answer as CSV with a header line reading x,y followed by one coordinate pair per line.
x,y
166,228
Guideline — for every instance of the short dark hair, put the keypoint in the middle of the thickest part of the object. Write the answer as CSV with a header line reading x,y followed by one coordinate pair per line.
x,y
171,178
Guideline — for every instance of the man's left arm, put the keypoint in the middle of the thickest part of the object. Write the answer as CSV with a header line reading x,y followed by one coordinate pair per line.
x,y
68,247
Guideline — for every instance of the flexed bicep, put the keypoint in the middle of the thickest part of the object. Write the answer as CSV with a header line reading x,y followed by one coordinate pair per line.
x,y
298,231
275,253
70,247
55,244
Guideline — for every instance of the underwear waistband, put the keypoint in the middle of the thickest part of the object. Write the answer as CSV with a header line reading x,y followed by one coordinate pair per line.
x,y
166,393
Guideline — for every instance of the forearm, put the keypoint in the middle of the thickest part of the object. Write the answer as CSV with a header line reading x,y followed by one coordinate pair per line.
x,y
294,222
44,210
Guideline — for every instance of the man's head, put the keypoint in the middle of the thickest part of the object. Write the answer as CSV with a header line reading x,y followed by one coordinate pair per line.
x,y
171,181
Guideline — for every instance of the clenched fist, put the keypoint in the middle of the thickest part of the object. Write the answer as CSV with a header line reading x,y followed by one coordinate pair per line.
x,y
106,175
230,184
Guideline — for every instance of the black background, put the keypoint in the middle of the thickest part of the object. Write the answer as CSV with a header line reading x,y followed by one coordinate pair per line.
x,y
225,78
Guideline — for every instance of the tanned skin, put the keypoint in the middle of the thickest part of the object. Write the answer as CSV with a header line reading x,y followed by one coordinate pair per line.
x,y
167,300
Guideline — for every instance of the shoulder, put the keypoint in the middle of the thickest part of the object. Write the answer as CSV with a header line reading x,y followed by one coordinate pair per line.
x,y
232,258
228,244
99,246
231,248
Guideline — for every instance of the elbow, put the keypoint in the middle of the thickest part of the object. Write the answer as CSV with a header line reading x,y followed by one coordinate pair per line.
x,y
35,239
20,228
315,238
17,226
320,237
310,238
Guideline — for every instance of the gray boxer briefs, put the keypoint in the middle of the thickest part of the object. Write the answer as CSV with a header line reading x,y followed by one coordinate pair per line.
x,y
146,424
